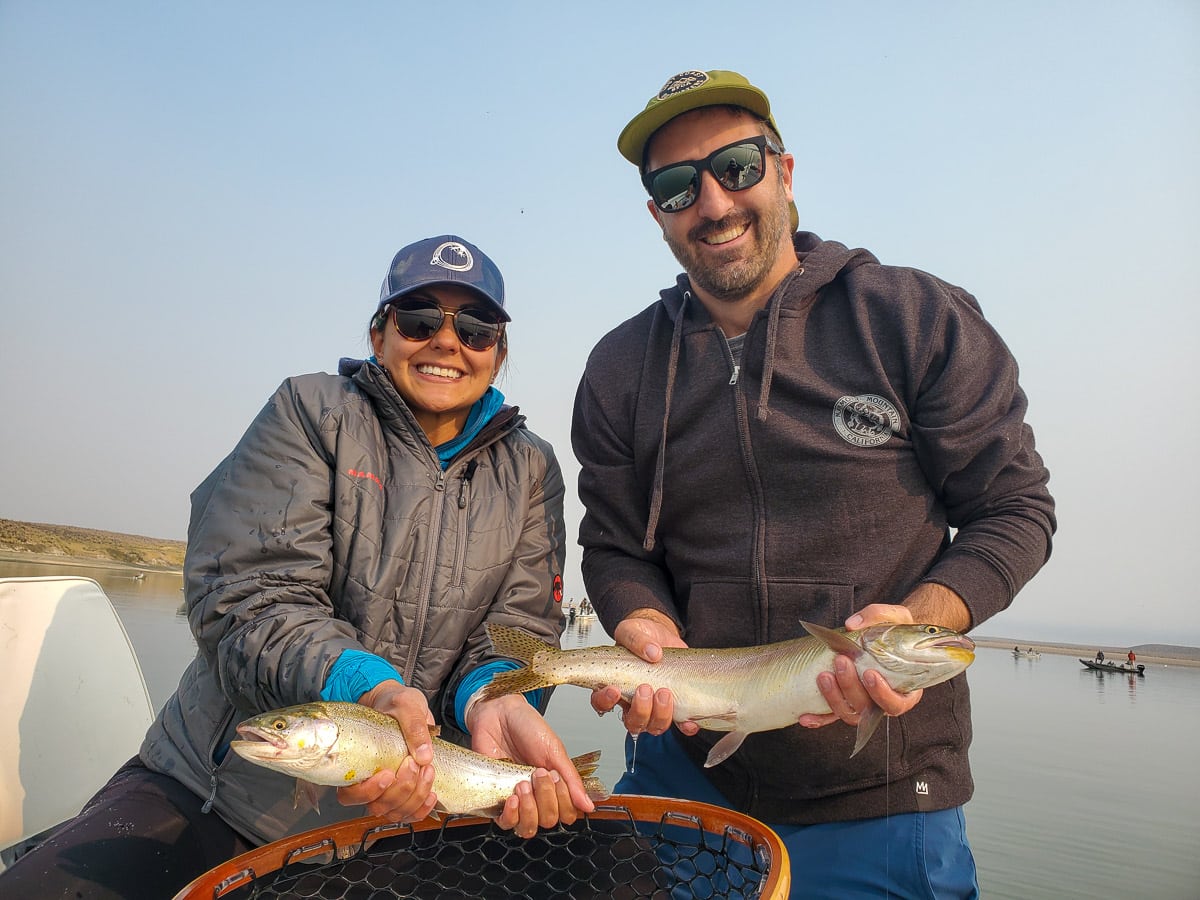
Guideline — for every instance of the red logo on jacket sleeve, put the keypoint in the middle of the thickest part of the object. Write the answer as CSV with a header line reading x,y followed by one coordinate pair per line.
x,y
556,589
354,473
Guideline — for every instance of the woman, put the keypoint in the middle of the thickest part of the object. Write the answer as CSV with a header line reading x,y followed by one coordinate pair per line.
x,y
351,547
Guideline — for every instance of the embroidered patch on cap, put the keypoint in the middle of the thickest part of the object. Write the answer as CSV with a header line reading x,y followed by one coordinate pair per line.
x,y
866,420
453,256
684,81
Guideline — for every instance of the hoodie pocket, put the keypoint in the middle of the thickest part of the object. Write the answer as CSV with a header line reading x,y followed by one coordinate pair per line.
x,y
728,613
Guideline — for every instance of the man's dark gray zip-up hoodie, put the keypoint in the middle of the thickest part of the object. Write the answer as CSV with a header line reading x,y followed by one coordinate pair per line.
x,y
874,411
331,527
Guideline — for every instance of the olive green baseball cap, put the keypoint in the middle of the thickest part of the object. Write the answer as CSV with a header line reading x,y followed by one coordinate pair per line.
x,y
687,91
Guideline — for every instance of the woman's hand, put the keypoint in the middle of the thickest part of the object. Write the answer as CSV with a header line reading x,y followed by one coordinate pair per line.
x,y
509,728
405,795
644,632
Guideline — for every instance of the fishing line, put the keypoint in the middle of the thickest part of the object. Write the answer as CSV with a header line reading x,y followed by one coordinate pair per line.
x,y
887,796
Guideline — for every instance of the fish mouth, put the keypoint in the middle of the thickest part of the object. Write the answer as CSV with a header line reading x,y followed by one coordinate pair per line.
x,y
257,735
945,641
258,743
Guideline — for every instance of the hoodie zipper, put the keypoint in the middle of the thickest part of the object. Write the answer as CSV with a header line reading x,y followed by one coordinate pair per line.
x,y
757,567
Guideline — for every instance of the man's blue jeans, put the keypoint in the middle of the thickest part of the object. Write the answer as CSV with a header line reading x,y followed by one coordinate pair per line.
x,y
909,855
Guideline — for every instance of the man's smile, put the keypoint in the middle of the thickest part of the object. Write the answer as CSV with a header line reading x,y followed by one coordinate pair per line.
x,y
725,235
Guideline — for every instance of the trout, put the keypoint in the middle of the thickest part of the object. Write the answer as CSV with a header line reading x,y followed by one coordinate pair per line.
x,y
743,690
340,744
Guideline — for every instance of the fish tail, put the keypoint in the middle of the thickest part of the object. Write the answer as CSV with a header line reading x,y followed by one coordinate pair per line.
x,y
518,681
517,644
586,763
523,647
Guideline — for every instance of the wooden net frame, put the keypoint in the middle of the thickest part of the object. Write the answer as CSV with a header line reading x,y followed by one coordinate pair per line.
x,y
630,847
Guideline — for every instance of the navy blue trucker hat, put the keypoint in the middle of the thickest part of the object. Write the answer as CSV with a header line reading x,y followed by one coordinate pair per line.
x,y
445,259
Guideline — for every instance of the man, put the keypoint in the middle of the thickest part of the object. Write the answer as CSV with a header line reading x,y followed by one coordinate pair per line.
x,y
796,432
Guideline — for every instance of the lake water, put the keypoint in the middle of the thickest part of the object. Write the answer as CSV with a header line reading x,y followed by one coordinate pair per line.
x,y
1086,783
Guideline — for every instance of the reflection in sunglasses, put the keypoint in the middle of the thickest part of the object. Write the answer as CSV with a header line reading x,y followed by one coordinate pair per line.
x,y
476,328
736,167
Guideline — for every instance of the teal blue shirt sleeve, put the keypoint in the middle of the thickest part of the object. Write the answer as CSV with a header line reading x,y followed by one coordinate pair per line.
x,y
354,673
480,677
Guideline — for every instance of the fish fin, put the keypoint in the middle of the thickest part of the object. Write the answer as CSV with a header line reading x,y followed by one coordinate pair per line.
x,y
586,763
517,644
305,796
715,721
517,681
837,641
725,748
867,723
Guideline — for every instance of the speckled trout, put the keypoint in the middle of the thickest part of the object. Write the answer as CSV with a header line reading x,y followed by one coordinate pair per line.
x,y
339,744
743,689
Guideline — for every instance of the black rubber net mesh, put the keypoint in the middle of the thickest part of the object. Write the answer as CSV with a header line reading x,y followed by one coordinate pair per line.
x,y
672,858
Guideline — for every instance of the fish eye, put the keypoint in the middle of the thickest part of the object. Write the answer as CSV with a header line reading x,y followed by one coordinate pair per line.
x,y
279,724
932,629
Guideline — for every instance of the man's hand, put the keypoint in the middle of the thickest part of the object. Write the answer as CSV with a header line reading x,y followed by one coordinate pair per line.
x,y
406,794
645,632
849,696
509,728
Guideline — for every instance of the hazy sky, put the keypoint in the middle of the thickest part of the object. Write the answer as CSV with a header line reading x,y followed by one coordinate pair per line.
x,y
201,199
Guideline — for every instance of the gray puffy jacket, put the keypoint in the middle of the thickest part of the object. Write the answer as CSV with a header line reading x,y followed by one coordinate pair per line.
x,y
332,526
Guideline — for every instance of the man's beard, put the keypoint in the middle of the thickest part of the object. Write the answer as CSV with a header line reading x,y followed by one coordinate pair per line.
x,y
742,274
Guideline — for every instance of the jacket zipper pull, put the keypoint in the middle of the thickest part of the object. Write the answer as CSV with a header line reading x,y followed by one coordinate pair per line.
x,y
466,480
208,804
733,377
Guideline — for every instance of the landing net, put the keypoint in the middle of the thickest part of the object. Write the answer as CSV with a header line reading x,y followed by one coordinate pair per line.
x,y
630,847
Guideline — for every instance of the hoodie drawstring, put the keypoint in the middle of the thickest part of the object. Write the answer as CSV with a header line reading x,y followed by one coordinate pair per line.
x,y
772,333
656,491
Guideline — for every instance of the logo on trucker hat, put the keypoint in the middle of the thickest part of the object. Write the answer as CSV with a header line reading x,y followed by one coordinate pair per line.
x,y
453,256
684,81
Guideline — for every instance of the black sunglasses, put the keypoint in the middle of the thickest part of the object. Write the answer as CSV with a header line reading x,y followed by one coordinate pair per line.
x,y
736,167
419,320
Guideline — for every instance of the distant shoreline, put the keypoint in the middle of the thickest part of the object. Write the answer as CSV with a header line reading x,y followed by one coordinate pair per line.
x,y
1180,656
53,559
1183,656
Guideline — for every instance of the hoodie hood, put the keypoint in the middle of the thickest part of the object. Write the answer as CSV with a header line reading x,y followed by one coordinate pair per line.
x,y
818,263
821,262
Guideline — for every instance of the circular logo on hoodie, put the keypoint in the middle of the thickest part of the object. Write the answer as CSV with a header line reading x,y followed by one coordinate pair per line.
x,y
866,420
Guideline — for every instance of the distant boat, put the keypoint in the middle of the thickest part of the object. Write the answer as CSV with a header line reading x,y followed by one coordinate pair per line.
x,y
1027,654
1106,666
